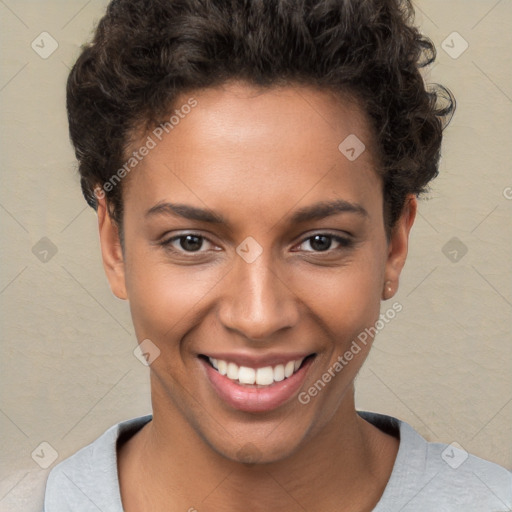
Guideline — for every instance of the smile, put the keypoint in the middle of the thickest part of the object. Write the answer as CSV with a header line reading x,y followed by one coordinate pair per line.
x,y
265,376
256,385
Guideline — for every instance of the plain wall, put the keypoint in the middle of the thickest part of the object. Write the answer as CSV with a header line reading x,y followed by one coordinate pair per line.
x,y
68,371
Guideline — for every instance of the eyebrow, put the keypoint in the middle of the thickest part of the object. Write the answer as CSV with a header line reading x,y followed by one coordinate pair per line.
x,y
312,212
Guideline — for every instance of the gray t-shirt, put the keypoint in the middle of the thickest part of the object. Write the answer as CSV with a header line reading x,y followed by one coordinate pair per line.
x,y
426,477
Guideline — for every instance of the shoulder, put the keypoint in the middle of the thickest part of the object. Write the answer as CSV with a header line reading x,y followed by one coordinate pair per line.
x,y
462,479
436,476
88,479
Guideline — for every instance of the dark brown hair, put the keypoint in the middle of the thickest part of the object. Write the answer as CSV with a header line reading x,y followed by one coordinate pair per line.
x,y
145,53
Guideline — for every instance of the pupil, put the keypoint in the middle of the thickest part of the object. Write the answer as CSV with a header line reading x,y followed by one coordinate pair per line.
x,y
319,245
191,242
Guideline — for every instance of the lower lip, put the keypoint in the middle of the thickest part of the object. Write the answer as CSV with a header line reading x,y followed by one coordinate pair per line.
x,y
252,399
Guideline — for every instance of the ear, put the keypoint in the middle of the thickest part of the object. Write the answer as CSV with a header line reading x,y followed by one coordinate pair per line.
x,y
111,251
398,246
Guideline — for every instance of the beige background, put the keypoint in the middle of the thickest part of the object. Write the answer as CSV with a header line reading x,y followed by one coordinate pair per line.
x,y
67,368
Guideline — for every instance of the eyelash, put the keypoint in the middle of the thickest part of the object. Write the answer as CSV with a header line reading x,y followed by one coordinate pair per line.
x,y
345,243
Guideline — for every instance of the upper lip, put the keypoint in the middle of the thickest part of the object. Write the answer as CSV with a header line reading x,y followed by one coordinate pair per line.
x,y
253,361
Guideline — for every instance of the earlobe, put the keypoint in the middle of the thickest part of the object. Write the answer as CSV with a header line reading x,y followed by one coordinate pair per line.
x,y
398,247
388,291
111,250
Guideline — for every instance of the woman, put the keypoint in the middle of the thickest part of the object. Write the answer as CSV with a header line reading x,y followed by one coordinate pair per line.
x,y
255,167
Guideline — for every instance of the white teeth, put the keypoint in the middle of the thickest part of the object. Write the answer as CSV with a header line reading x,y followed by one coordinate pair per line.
x,y
246,375
279,373
261,376
222,366
289,368
264,376
232,371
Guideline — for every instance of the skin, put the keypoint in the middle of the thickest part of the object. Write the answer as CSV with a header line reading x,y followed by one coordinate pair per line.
x,y
255,157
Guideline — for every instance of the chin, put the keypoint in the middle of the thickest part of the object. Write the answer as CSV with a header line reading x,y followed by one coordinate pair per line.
x,y
257,444
263,453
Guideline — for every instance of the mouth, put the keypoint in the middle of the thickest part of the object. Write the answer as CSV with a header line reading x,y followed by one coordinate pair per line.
x,y
257,377
256,386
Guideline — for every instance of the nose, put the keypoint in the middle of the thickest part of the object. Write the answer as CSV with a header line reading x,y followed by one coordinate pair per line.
x,y
258,302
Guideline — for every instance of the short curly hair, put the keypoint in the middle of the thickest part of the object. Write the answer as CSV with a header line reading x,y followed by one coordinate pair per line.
x,y
146,53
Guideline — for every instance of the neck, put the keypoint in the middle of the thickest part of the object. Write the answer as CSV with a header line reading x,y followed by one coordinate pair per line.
x,y
344,467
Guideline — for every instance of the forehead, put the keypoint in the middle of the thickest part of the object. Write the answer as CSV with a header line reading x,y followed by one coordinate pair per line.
x,y
237,113
241,143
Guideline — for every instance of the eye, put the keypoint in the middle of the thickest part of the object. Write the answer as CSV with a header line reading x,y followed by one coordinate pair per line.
x,y
188,242
193,243
322,242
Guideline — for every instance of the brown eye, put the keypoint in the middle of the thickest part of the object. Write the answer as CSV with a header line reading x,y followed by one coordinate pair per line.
x,y
322,242
186,243
190,242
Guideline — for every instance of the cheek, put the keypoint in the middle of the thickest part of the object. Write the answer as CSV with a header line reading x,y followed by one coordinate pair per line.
x,y
347,298
163,297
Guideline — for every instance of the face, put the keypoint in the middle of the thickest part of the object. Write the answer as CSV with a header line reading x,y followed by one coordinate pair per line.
x,y
255,253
